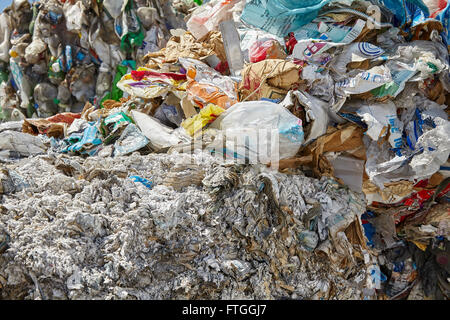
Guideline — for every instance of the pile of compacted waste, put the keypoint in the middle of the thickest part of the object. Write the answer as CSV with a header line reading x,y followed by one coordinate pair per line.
x,y
225,149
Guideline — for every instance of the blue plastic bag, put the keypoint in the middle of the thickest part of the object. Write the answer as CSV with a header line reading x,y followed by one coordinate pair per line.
x,y
144,181
444,18
280,17
91,137
411,12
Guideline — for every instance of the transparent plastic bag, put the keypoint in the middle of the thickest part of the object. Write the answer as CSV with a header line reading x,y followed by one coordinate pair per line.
x,y
258,131
207,17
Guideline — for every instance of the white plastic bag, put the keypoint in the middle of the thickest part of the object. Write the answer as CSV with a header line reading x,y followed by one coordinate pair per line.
x,y
5,34
111,55
378,116
364,81
75,16
115,7
208,16
317,112
159,135
34,50
258,131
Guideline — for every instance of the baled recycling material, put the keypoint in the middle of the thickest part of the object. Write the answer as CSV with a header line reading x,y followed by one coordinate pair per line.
x,y
225,149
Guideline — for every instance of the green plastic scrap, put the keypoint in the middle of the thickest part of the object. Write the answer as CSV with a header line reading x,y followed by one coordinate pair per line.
x,y
30,110
116,93
433,67
132,40
111,126
388,89
3,77
52,74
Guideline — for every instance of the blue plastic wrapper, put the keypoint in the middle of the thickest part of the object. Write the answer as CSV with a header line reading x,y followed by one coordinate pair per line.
x,y
90,138
444,18
131,140
69,59
280,17
411,12
144,181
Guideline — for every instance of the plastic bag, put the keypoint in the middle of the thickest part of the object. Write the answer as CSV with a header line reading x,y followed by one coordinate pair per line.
x,y
113,125
116,92
129,30
258,131
280,17
208,16
44,96
5,32
378,117
169,115
22,83
410,12
75,16
207,115
444,17
251,36
146,83
102,49
17,144
104,81
131,140
160,136
350,170
313,50
148,184
115,7
365,81
147,16
316,113
87,142
206,85
150,43
355,53
83,89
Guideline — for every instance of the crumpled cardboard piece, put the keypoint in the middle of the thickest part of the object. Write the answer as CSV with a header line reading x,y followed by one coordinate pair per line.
x,y
355,234
87,109
187,46
214,38
271,78
345,138
178,179
423,31
43,126
111,104
434,90
392,192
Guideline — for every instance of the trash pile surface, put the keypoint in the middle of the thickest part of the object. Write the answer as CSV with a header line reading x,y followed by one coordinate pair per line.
x,y
83,229
228,149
